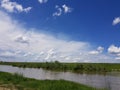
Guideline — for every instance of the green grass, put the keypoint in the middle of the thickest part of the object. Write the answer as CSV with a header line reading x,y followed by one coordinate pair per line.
x,y
73,67
21,83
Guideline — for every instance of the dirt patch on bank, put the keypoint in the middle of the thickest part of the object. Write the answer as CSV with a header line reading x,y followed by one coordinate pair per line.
x,y
7,87
3,88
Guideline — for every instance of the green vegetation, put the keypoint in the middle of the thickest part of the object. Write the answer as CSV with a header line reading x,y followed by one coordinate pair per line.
x,y
73,67
18,82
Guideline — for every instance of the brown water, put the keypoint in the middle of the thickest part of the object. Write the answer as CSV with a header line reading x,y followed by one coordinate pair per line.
x,y
110,81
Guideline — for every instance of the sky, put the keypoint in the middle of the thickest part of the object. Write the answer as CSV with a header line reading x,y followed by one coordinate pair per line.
x,y
62,30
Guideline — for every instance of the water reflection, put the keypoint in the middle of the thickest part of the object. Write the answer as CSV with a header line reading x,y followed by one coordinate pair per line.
x,y
110,81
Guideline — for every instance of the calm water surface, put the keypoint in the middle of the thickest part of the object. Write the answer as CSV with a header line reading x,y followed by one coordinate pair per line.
x,y
110,81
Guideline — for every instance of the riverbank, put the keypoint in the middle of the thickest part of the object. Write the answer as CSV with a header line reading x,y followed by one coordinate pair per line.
x,y
72,67
18,82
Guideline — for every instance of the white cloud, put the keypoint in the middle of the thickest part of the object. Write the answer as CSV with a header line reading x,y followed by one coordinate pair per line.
x,y
118,54
14,37
13,6
42,46
22,39
66,9
117,58
43,1
94,52
98,51
50,54
7,54
63,9
116,21
27,9
58,12
114,49
28,54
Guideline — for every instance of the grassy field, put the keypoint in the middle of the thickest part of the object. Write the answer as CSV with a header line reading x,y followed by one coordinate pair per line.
x,y
74,67
18,82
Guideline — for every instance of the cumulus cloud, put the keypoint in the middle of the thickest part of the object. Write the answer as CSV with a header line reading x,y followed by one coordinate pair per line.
x,y
62,9
114,49
42,1
66,9
14,36
116,21
98,51
13,6
42,46
22,39
58,12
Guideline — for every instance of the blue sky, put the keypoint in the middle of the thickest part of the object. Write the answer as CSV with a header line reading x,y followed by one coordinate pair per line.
x,y
74,30
89,20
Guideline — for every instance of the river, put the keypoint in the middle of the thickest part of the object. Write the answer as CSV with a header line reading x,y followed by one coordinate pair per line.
x,y
110,81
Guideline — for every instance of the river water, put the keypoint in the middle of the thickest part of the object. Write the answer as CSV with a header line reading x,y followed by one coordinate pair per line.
x,y
110,81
